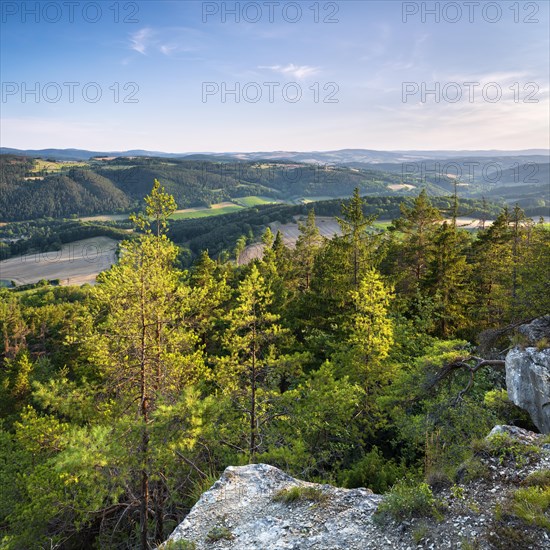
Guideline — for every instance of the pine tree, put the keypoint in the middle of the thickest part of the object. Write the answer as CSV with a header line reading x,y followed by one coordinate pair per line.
x,y
307,247
411,254
357,244
143,349
493,279
240,246
447,279
363,355
371,329
533,292
248,372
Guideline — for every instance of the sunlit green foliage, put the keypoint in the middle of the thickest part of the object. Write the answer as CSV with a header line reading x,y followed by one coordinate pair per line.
x,y
121,403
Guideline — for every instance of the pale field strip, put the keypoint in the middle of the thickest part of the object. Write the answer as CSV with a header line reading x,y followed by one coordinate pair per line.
x,y
81,261
104,218
205,208
328,227
120,217
76,263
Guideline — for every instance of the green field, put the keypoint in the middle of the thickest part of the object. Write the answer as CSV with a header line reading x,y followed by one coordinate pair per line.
x,y
52,167
253,200
382,224
205,212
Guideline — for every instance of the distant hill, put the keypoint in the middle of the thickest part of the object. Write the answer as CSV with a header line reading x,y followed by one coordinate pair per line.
x,y
39,187
341,156
32,189
80,154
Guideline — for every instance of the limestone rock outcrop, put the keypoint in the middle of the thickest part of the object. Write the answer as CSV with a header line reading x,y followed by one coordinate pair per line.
x,y
243,510
536,330
241,513
528,374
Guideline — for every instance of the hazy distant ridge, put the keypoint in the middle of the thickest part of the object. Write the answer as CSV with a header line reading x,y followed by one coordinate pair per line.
x,y
341,156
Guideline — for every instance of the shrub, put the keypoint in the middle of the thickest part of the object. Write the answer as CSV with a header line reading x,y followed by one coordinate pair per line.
x,y
532,506
472,469
438,479
503,536
540,478
372,471
408,499
504,447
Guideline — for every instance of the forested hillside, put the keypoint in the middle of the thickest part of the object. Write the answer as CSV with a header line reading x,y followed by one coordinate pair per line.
x,y
347,361
37,188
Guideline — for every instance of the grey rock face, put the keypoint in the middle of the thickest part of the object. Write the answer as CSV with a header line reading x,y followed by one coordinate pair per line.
x,y
528,383
536,330
239,512
240,505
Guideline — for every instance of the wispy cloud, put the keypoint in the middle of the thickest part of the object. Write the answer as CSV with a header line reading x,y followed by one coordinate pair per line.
x,y
296,71
139,41
149,40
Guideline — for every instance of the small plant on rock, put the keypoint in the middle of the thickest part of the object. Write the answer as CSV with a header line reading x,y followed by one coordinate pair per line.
x,y
420,532
219,533
504,447
472,470
182,544
540,478
408,499
543,343
298,493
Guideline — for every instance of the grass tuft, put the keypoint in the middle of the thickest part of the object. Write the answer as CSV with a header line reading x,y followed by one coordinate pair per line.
x,y
300,493
219,533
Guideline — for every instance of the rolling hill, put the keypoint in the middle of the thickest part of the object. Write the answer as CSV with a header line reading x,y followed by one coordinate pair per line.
x,y
32,188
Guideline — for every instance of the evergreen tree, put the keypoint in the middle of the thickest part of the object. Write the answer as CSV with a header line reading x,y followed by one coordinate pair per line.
x,y
249,372
356,243
533,294
307,247
143,349
239,249
492,253
411,251
363,353
447,279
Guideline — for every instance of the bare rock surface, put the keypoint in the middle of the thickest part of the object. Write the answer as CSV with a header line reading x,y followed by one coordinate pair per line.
x,y
241,510
528,383
536,330
241,503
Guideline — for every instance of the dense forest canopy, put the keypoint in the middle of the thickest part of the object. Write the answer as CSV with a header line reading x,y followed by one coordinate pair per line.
x,y
121,402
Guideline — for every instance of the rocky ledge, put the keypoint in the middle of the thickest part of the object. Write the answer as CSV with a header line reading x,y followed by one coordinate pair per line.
x,y
259,507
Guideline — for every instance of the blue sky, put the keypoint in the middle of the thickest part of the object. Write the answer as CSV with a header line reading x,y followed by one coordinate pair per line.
x,y
347,74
